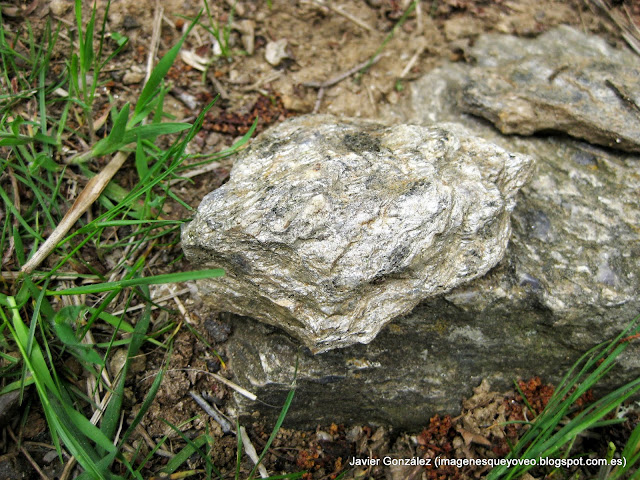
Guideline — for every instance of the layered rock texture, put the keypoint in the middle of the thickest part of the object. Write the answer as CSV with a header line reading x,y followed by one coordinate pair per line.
x,y
568,281
590,90
329,229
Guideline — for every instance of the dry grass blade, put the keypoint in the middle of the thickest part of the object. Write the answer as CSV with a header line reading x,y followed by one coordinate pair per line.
x,y
629,30
155,39
346,15
87,197
251,452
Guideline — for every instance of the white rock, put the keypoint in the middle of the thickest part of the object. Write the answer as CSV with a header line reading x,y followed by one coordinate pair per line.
x,y
276,51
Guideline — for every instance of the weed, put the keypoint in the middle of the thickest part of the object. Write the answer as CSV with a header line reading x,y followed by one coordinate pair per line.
x,y
51,314
553,432
220,33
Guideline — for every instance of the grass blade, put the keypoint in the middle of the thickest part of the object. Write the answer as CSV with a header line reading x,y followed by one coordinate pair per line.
x,y
157,75
134,282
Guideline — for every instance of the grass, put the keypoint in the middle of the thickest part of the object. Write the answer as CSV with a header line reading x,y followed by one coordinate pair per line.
x,y
554,431
52,313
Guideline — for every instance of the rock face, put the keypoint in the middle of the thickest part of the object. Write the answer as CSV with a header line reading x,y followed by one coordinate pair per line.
x,y
330,229
563,81
569,280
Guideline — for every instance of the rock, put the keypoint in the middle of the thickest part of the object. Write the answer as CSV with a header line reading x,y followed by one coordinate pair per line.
x,y
330,229
561,81
59,7
276,51
134,75
569,280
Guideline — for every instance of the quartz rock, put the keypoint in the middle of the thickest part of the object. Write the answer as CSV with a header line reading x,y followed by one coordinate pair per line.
x,y
329,229
563,81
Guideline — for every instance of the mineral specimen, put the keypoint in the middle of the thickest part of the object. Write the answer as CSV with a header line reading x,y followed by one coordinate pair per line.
x,y
329,229
568,281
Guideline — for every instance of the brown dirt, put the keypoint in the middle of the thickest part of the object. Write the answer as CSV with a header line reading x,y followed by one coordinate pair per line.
x,y
320,44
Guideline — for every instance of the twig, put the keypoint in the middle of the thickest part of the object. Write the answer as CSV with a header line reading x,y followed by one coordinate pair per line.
x,y
342,76
155,38
16,203
218,86
321,86
183,311
419,20
68,468
28,456
251,452
421,48
151,444
219,378
371,99
87,197
629,31
234,386
266,79
212,412
316,107
346,15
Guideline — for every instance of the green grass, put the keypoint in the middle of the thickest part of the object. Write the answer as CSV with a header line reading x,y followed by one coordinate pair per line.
x,y
52,313
554,431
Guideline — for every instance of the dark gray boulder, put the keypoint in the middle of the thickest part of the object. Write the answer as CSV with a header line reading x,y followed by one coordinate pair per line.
x,y
563,81
569,280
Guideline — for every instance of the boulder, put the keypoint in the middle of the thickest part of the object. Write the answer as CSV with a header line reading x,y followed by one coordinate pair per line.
x,y
568,281
563,81
329,228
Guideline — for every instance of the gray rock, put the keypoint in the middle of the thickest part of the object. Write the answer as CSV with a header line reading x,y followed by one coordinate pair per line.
x,y
330,229
561,81
569,280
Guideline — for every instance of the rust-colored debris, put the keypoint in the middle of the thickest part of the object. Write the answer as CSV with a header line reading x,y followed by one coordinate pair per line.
x,y
269,109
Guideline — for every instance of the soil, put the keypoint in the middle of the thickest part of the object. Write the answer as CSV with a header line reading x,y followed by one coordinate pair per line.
x,y
319,40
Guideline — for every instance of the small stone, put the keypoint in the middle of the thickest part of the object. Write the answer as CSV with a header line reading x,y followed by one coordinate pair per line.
x,y
137,364
219,331
323,436
461,27
135,75
129,22
329,229
9,403
117,361
60,7
276,51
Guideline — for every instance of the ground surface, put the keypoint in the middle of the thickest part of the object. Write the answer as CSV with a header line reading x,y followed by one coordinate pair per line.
x,y
319,41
